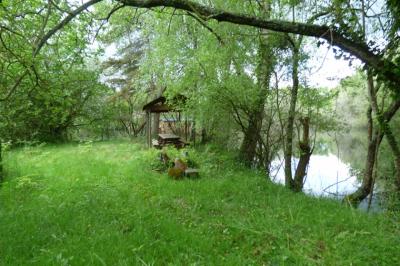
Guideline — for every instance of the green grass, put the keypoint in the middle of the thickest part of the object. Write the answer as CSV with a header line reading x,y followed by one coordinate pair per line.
x,y
102,204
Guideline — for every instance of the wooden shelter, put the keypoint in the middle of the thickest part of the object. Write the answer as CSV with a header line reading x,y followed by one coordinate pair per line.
x,y
158,106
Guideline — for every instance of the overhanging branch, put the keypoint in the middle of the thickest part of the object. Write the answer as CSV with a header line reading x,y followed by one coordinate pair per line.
x,y
62,24
45,38
357,49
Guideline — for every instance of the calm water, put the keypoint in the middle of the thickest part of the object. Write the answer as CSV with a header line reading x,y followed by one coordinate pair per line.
x,y
327,176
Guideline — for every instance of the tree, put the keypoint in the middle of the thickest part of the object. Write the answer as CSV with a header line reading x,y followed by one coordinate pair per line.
x,y
375,133
43,89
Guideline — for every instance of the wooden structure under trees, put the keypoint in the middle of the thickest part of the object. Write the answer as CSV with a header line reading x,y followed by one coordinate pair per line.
x,y
158,139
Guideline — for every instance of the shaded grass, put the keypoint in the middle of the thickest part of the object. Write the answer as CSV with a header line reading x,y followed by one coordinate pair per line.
x,y
102,204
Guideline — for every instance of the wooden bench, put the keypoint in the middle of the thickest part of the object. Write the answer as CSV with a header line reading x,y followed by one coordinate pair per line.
x,y
170,139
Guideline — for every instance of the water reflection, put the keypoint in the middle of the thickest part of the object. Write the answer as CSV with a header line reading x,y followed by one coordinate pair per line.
x,y
327,175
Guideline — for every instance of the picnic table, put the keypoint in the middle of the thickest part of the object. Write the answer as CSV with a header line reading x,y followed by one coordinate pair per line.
x,y
165,139
168,138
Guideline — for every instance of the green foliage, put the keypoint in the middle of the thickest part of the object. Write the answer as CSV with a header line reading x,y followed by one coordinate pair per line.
x,y
101,203
319,105
45,94
186,155
352,111
47,113
394,22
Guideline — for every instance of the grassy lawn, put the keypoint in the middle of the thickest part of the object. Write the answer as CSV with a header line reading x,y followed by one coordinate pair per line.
x,y
103,204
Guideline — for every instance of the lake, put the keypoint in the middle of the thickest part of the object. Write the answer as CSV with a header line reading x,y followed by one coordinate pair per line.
x,y
327,176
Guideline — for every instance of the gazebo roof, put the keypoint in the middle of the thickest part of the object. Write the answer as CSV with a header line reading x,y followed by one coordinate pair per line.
x,y
159,105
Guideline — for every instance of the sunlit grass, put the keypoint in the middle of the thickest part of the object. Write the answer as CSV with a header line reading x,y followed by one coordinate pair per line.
x,y
103,204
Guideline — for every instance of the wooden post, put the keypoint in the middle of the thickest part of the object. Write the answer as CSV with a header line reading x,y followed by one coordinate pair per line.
x,y
147,128
179,124
155,124
150,129
186,129
148,114
194,132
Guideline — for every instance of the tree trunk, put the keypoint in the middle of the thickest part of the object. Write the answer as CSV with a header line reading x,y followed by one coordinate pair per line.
x,y
248,150
288,147
375,137
385,128
251,136
397,181
366,186
394,147
204,136
305,150
374,140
